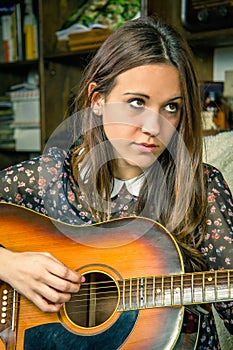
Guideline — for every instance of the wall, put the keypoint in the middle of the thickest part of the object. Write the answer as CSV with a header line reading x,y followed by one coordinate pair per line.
x,y
223,60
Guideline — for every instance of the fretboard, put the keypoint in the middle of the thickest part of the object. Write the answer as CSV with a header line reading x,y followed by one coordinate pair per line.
x,y
176,290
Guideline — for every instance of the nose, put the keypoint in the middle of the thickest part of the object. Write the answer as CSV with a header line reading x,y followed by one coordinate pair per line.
x,y
151,123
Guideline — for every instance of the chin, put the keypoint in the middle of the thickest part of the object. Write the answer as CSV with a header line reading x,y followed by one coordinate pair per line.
x,y
140,165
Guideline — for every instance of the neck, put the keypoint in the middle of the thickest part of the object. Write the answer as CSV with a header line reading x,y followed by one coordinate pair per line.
x,y
124,172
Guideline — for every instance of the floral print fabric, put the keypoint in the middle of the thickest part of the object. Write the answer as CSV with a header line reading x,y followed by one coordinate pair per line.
x,y
45,185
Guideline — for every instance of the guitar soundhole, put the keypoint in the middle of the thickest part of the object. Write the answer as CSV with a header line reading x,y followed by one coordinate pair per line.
x,y
96,301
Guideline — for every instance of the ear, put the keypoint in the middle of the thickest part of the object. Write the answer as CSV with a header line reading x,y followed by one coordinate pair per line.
x,y
97,99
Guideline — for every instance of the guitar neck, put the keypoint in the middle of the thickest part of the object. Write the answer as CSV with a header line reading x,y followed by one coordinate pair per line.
x,y
176,290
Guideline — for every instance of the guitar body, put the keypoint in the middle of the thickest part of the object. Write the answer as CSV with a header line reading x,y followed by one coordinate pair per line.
x,y
117,250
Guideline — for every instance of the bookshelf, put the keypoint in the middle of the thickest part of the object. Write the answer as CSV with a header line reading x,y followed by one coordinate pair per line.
x,y
59,69
19,63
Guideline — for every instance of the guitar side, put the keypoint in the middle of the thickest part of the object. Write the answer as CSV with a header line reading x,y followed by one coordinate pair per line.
x,y
117,254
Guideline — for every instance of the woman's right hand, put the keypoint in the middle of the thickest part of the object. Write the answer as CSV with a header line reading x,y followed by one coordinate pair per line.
x,y
40,277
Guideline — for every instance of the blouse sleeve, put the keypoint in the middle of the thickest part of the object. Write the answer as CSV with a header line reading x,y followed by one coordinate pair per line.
x,y
217,247
26,183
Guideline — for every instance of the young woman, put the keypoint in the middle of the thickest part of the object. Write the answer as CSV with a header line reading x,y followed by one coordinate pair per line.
x,y
138,152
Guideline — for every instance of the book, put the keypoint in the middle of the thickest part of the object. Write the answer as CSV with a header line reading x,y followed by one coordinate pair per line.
x,y
1,43
14,37
7,38
30,29
88,40
77,28
11,33
92,36
5,102
4,113
19,32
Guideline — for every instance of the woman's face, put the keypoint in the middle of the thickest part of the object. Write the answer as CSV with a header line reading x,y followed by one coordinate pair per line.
x,y
140,115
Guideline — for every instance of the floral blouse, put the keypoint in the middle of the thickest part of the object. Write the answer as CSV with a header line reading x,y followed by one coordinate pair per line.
x,y
45,185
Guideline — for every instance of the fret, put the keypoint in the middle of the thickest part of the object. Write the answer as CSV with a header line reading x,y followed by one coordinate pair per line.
x,y
145,292
149,292
203,287
182,288
172,291
138,303
142,293
216,284
162,291
15,310
221,290
223,287
133,294
120,285
197,288
153,292
192,287
201,290
177,290
123,296
187,289
158,294
167,291
130,293
229,284
210,286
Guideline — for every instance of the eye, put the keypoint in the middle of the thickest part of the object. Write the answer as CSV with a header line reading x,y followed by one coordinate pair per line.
x,y
172,108
137,103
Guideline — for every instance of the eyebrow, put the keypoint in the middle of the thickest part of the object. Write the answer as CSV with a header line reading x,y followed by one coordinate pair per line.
x,y
137,94
148,97
176,98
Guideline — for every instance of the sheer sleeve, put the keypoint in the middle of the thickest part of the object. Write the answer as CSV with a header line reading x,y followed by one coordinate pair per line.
x,y
218,243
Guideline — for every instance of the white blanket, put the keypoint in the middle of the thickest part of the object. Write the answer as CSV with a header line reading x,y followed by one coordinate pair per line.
x,y
218,151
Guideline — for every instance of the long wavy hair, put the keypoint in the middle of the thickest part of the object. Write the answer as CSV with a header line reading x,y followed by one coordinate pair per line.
x,y
174,190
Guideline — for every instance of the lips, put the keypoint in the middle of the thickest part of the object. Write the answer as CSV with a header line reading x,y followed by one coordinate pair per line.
x,y
145,147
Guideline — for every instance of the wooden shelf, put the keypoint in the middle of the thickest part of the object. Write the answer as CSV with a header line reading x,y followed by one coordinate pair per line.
x,y
214,38
60,67
19,64
60,53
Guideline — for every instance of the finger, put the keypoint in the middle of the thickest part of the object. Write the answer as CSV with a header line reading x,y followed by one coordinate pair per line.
x,y
62,271
60,284
45,305
50,294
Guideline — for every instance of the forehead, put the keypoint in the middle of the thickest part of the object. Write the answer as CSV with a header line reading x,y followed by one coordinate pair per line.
x,y
151,78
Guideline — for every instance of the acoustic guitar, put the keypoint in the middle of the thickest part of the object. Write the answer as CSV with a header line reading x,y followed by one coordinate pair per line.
x,y
135,289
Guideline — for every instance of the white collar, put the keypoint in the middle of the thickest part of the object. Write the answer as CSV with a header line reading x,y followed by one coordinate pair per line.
x,y
133,185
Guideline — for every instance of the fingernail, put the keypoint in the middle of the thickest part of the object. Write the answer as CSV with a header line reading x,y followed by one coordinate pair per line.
x,y
83,279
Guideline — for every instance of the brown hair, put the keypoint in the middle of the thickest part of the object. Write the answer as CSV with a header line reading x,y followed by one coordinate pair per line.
x,y
177,197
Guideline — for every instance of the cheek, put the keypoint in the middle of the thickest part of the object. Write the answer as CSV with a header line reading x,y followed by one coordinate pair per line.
x,y
168,128
115,132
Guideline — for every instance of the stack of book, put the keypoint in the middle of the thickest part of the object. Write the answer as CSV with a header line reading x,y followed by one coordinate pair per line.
x,y
6,119
11,33
18,31
26,123
89,39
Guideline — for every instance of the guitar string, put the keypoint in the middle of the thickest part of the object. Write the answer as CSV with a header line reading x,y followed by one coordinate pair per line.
x,y
134,305
165,280
80,309
130,294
